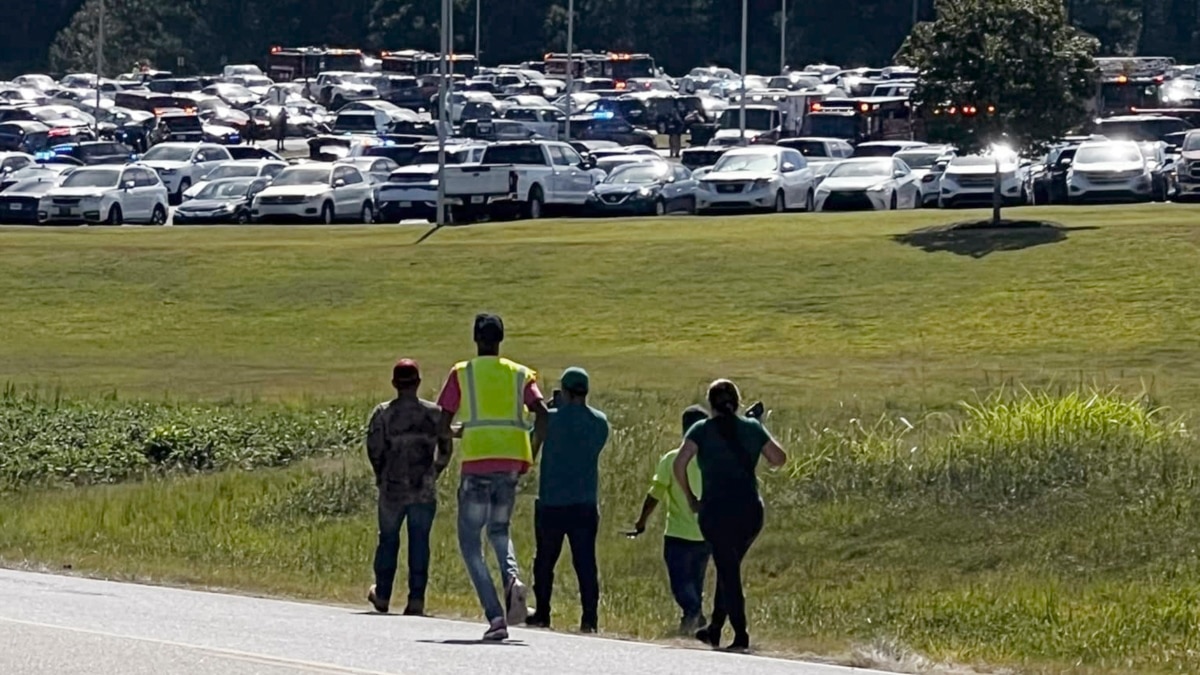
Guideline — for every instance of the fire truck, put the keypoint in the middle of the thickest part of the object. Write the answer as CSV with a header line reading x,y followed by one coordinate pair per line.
x,y
418,63
1129,83
858,120
617,66
285,64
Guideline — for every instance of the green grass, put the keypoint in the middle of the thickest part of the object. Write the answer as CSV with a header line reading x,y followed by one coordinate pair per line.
x,y
1050,529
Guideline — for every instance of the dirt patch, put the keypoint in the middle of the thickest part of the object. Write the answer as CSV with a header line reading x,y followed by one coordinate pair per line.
x,y
981,237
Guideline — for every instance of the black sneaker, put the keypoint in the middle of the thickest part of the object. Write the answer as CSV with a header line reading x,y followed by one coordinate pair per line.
x,y
710,636
588,628
380,604
415,608
538,620
740,644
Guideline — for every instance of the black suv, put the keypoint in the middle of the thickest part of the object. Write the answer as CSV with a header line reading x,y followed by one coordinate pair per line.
x,y
93,153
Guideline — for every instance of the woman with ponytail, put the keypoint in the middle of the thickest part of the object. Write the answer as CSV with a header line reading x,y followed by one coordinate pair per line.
x,y
727,447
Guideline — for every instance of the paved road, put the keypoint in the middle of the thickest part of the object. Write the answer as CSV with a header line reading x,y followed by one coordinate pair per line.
x,y
64,626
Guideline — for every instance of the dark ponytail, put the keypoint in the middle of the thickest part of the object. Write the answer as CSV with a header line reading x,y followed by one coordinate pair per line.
x,y
724,400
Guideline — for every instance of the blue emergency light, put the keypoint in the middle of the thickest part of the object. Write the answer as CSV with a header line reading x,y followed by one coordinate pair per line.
x,y
603,115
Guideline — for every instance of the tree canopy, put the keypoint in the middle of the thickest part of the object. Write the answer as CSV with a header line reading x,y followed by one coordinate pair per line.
x,y
680,33
1001,69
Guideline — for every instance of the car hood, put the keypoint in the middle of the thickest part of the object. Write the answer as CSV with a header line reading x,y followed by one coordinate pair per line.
x,y
977,171
163,164
746,176
348,86
852,182
1191,155
295,191
622,188
1107,166
200,205
75,192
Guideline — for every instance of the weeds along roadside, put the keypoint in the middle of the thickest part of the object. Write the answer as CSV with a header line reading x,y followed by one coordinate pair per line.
x,y
1025,527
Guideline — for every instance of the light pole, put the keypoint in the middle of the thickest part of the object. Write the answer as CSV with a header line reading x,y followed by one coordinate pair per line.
x,y
916,11
477,2
742,101
782,36
99,63
442,116
570,62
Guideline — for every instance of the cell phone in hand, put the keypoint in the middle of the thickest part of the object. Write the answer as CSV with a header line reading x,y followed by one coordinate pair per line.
x,y
756,411
556,399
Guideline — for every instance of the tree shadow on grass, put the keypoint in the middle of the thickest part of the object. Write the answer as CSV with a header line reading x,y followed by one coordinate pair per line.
x,y
980,238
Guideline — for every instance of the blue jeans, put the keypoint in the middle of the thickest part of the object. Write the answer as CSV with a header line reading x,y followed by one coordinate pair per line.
x,y
420,522
687,564
486,501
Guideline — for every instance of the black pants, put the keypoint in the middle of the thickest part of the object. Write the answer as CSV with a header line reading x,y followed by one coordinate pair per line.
x,y
577,523
730,528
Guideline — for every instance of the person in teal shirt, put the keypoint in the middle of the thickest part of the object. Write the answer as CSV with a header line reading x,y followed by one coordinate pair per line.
x,y
685,552
567,506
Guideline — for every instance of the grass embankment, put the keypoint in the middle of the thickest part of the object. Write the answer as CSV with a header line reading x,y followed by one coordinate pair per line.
x,y
1043,531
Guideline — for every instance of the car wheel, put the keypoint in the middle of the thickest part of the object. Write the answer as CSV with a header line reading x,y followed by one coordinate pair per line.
x,y
533,207
810,201
895,203
115,217
368,214
780,202
660,207
159,215
327,213
183,187
242,217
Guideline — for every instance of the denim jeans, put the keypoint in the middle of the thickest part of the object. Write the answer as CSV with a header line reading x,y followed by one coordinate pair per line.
x,y
578,524
687,565
486,501
420,522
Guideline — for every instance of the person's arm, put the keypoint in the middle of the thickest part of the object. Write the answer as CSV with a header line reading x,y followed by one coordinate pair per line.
x,y
774,453
686,454
541,416
648,507
376,443
449,400
445,442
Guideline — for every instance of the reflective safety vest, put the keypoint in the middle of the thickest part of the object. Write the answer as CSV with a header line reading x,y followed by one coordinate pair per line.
x,y
492,412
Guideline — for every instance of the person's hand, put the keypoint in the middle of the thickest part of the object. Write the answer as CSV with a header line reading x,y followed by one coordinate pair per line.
x,y
637,530
694,503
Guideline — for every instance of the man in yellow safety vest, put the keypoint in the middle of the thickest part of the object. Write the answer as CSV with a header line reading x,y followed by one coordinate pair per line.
x,y
491,397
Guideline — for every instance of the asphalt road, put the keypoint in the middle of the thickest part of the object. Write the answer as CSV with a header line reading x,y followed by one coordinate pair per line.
x,y
65,625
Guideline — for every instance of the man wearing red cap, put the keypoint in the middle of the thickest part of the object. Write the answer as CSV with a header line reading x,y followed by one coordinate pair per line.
x,y
409,448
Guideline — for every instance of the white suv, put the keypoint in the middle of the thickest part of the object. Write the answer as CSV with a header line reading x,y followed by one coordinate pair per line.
x,y
316,192
108,194
1109,170
970,181
180,165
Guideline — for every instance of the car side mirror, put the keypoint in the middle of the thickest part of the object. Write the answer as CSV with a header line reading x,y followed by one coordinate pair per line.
x,y
129,185
339,183
898,174
788,167
1066,161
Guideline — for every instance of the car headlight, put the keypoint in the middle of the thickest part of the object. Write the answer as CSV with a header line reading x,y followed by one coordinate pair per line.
x,y
230,207
878,187
645,192
762,183
706,186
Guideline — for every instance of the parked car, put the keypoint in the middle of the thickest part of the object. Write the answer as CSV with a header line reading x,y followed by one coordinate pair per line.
x,y
11,162
19,201
970,181
93,153
884,148
645,188
182,164
757,178
1187,169
316,192
927,164
376,169
225,200
112,195
1109,170
1162,169
237,168
251,152
609,162
869,183
817,150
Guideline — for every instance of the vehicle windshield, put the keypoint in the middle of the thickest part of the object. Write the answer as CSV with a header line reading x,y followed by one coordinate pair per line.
x,y
638,174
1191,142
756,118
747,162
1107,153
233,171
834,125
168,153
226,189
920,160
94,178
861,169
430,156
979,161
809,148
302,176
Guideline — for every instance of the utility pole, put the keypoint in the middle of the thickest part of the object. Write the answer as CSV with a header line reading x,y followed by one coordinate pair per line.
x,y
916,12
783,35
742,101
477,50
99,62
570,62
443,117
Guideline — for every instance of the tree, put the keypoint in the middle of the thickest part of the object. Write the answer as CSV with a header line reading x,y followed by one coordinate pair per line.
x,y
1001,71
135,31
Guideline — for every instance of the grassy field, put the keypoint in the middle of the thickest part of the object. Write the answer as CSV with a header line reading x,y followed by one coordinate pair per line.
x,y
1043,531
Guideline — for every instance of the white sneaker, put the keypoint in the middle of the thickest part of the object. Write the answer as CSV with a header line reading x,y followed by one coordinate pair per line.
x,y
497,631
516,599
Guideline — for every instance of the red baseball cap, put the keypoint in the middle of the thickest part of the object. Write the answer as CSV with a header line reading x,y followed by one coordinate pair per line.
x,y
406,370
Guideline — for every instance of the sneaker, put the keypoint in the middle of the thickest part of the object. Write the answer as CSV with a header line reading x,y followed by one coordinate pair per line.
x,y
538,620
588,628
516,600
709,636
690,624
740,644
380,605
415,608
497,631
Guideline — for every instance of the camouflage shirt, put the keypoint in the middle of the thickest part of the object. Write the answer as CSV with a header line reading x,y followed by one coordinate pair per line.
x,y
406,451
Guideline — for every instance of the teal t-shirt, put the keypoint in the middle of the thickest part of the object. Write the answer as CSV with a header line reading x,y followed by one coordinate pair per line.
x,y
571,456
728,470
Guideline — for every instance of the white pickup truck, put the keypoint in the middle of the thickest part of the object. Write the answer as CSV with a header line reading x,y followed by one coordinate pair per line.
x,y
522,178
410,192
